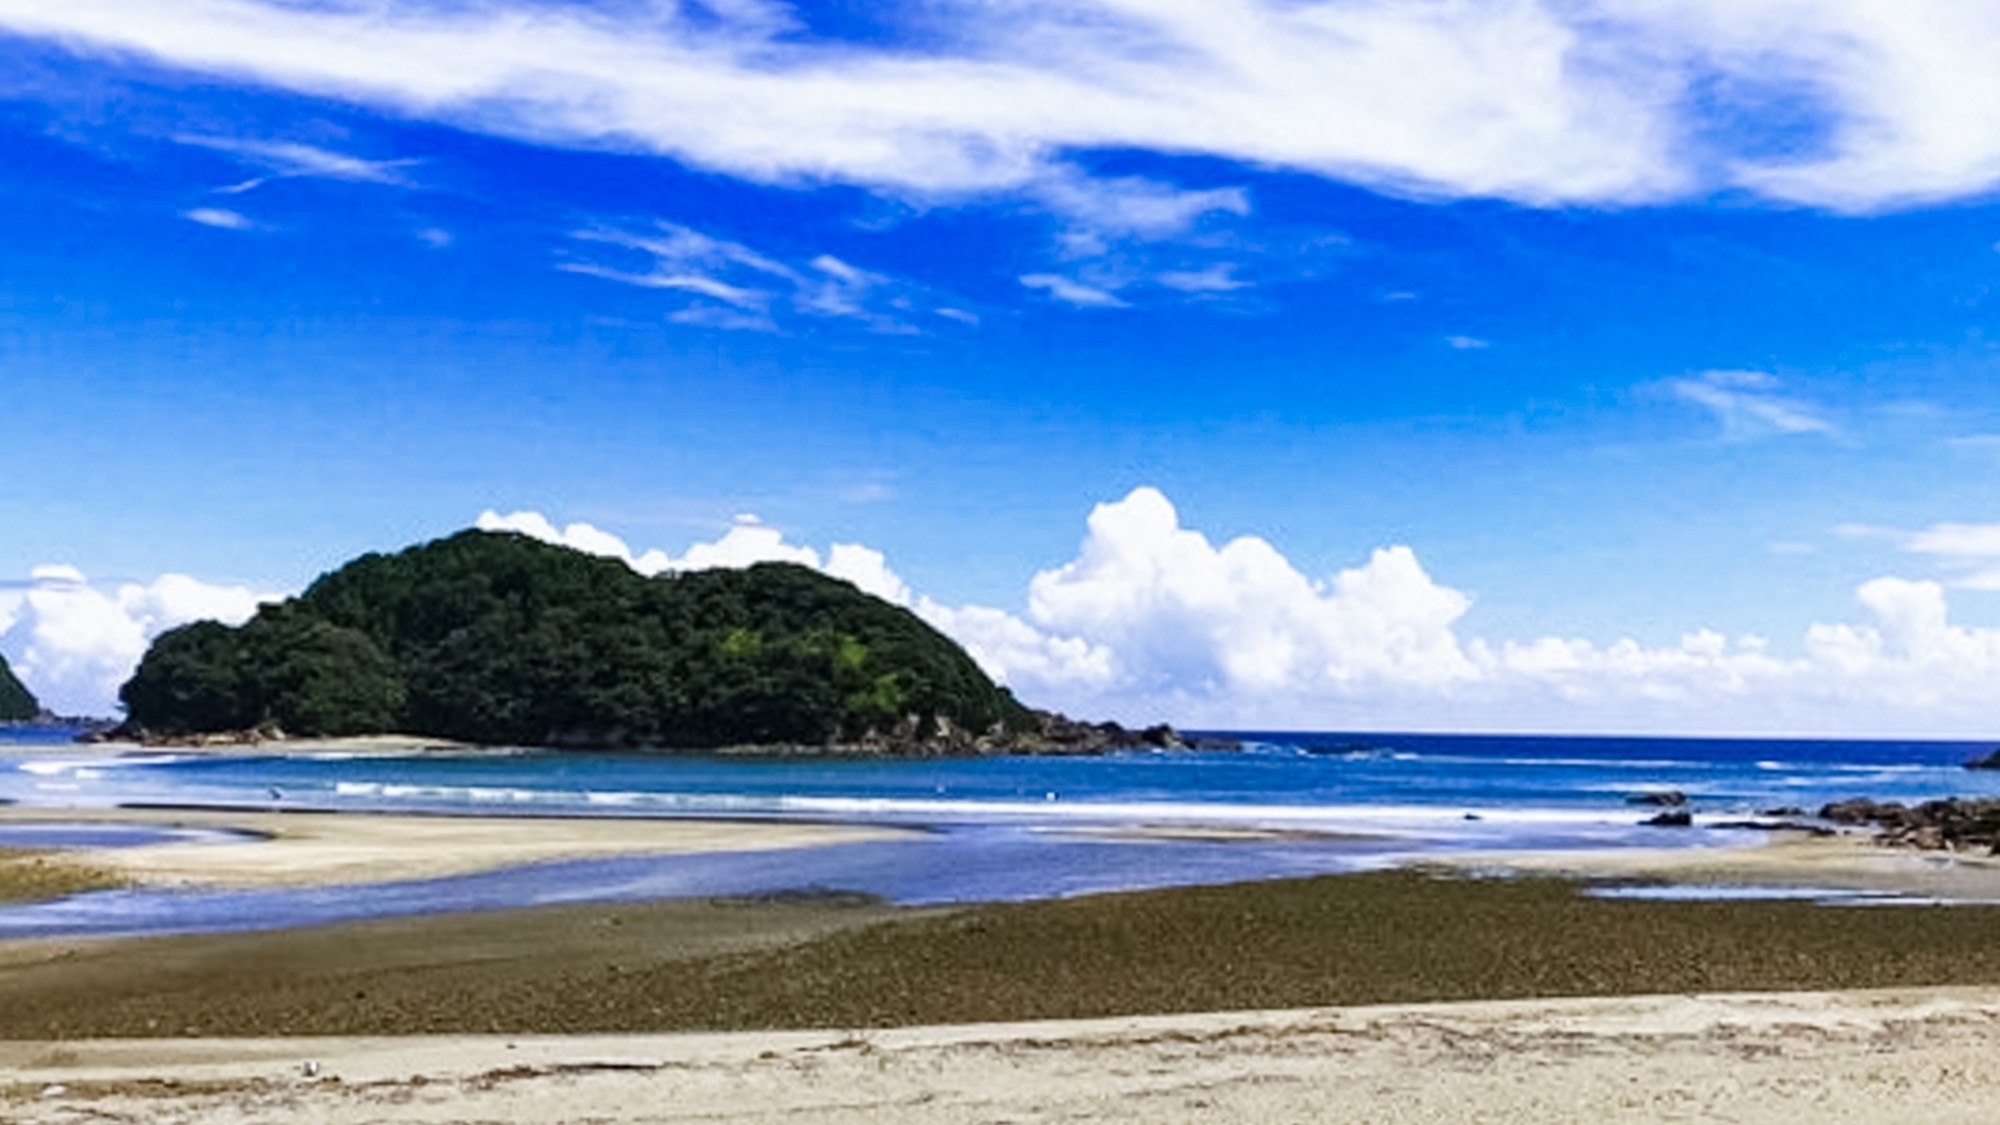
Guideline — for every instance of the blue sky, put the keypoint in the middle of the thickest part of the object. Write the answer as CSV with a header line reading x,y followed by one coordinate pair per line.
x,y
1627,322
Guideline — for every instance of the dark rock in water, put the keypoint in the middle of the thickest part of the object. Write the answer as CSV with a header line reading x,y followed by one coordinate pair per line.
x,y
1663,798
1786,810
1777,826
1053,733
1672,818
1858,810
1932,826
1989,762
1343,749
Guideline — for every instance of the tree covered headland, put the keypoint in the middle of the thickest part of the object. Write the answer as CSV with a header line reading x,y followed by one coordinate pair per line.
x,y
17,704
498,638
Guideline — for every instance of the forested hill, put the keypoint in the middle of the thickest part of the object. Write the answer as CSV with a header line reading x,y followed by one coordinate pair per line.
x,y
501,639
16,703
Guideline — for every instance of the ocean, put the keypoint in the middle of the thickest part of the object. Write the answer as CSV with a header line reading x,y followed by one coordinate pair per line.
x,y
991,829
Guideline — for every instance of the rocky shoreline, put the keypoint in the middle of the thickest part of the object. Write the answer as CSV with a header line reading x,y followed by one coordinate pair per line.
x,y
1953,824
915,737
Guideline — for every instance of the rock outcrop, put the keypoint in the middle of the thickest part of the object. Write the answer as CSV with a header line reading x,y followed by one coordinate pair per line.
x,y
1953,824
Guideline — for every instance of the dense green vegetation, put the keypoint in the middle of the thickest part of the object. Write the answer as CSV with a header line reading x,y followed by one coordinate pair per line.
x,y
497,638
16,704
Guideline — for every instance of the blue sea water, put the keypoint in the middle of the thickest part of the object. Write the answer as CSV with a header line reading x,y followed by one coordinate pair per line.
x,y
991,828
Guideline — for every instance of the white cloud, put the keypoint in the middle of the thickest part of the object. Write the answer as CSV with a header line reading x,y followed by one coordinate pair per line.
x,y
1970,550
1234,635
1184,616
1217,278
1466,343
580,536
1747,405
1073,292
1152,620
1850,104
1099,214
1132,206
74,644
290,160
1051,671
220,218
736,287
747,542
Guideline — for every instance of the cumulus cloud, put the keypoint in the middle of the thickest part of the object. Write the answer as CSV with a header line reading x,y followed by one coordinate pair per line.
x,y
1049,670
74,643
1747,405
1848,104
747,542
1154,620
1181,615
1235,635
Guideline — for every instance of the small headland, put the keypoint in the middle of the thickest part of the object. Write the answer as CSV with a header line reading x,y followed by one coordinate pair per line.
x,y
500,640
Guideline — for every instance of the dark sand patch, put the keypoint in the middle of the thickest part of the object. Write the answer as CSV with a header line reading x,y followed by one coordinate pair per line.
x,y
31,876
1396,937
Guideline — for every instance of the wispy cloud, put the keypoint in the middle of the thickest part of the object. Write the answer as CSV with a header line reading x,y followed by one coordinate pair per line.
x,y
1972,550
1073,292
1098,213
220,218
291,160
1467,343
1536,101
736,287
1747,404
1217,278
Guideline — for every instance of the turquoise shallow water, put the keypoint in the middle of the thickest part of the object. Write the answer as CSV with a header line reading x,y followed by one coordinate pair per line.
x,y
999,828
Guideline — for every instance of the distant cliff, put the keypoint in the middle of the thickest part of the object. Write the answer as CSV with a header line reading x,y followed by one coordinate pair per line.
x,y
17,704
500,639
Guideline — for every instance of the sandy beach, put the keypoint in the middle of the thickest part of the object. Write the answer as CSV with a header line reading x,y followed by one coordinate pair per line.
x,y
1441,994
1849,861
321,849
1923,1055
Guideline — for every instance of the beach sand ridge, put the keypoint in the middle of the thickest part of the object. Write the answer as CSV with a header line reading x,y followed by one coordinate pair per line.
x,y
1897,1055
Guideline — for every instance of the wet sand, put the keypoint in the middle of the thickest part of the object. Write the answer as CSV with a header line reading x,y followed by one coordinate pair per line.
x,y
820,961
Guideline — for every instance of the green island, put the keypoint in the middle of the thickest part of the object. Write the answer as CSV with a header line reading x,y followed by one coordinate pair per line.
x,y
500,639
17,704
